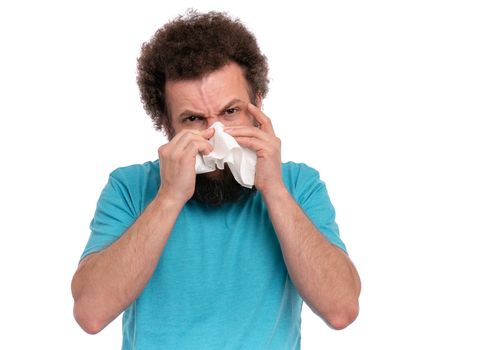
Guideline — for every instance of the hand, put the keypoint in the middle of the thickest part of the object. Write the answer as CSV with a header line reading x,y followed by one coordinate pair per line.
x,y
178,161
268,171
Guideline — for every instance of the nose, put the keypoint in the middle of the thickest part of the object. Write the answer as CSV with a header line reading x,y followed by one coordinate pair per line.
x,y
212,119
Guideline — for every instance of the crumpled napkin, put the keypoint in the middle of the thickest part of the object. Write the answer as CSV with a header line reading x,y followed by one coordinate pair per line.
x,y
240,160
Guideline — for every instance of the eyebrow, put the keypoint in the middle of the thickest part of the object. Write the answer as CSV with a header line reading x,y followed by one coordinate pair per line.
x,y
187,113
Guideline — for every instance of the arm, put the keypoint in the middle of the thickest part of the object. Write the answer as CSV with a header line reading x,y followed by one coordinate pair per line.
x,y
107,282
323,274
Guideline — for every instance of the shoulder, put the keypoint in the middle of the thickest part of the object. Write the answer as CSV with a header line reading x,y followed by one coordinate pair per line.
x,y
302,180
136,173
294,173
135,185
293,167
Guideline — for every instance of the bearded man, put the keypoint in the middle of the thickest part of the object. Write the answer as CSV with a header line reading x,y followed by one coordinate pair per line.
x,y
200,261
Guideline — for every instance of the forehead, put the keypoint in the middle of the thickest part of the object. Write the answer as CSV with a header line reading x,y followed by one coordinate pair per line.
x,y
209,93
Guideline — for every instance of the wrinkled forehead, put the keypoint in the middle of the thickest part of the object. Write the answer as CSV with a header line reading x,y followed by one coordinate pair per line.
x,y
209,93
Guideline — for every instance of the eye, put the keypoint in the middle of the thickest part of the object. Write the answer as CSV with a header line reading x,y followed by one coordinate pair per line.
x,y
193,118
232,110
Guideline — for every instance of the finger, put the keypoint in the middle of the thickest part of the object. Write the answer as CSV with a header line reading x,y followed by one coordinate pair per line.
x,y
183,133
247,131
262,148
208,133
186,151
194,147
182,138
261,118
193,135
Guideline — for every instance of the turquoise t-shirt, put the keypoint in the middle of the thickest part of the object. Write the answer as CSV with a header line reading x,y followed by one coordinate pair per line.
x,y
221,282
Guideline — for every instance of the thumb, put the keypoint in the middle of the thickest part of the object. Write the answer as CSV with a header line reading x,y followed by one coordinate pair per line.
x,y
208,133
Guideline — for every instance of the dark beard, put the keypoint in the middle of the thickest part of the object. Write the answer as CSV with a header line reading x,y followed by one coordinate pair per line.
x,y
219,187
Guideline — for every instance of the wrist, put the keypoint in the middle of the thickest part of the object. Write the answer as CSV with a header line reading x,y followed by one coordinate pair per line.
x,y
276,194
167,199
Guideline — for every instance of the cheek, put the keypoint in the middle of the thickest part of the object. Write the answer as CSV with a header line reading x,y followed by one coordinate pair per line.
x,y
192,126
199,126
251,121
243,118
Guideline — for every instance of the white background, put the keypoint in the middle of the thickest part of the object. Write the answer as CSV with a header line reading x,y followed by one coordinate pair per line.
x,y
390,100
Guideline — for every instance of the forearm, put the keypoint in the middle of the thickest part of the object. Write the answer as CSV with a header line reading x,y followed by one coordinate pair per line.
x,y
108,281
323,274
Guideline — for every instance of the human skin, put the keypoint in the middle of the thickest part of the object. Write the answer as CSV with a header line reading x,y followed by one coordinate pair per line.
x,y
107,282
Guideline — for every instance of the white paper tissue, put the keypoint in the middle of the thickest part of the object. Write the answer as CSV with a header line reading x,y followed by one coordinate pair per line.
x,y
240,160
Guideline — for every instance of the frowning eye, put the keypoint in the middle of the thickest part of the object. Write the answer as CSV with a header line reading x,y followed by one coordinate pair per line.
x,y
232,110
193,119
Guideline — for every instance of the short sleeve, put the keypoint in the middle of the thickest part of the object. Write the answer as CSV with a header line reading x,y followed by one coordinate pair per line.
x,y
311,194
114,214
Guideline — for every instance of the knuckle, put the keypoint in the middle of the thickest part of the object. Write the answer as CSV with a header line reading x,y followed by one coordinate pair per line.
x,y
173,157
267,120
186,134
195,145
245,141
163,150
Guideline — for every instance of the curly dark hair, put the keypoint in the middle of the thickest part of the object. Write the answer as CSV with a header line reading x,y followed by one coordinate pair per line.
x,y
191,46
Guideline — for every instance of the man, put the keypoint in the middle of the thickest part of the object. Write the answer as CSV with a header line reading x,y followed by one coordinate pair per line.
x,y
200,262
